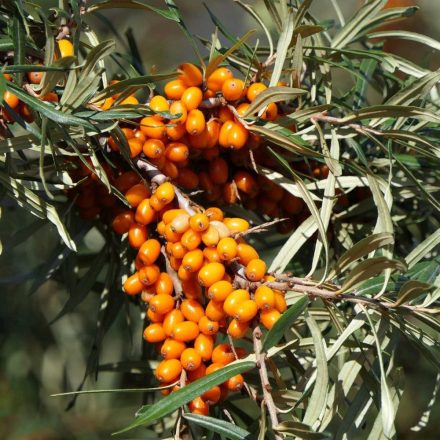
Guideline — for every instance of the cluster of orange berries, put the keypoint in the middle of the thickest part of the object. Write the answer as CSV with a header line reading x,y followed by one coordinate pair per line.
x,y
65,49
196,300
204,146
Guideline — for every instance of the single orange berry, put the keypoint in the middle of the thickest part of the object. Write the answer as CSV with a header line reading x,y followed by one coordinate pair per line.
x,y
193,260
246,311
190,359
219,171
192,97
154,333
197,373
214,311
145,214
233,89
199,406
165,192
269,317
211,255
220,290
227,248
122,222
188,178
280,302
153,148
164,285
192,310
35,77
168,370
178,108
152,127
199,222
190,74
154,316
204,344
177,152
211,236
223,354
137,235
172,349
11,99
235,224
208,327
148,275
176,132
237,329
195,122
149,251
136,194
235,383
159,103
211,273
255,269
212,368
185,331
237,136
174,89
213,395
254,90
191,288
162,304
214,213
223,138
133,285
65,47
191,239
265,298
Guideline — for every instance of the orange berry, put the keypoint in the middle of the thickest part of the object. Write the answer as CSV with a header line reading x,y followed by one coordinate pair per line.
x,y
255,269
191,239
227,248
192,310
223,354
152,127
195,122
217,78
246,183
218,171
199,222
176,152
213,132
191,288
235,383
211,273
185,331
129,100
199,406
153,316
211,236
242,108
35,77
220,290
178,108
149,251
176,132
190,359
214,367
165,193
291,204
246,311
211,255
171,319
148,275
145,214
199,141
198,373
233,89
204,344
170,235
180,223
235,224
174,89
237,329
122,222
225,114
136,194
154,333
246,253
214,311
65,47
170,169
254,90
126,180
193,260
168,370
271,112
172,349
192,97
11,99
213,395
190,74
224,133
137,234
164,285
133,285
208,327
162,304
214,213
280,302
153,148
188,178
237,136
159,103
265,298
234,299
177,250
269,317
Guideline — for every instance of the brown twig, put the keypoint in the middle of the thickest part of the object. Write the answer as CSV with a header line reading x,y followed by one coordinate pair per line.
x,y
261,364
259,228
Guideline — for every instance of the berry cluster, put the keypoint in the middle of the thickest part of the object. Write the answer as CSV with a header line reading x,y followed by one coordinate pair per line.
x,y
215,285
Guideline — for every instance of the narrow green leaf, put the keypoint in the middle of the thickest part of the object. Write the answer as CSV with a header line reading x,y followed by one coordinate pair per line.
x,y
422,249
179,398
286,320
18,36
221,427
410,290
407,35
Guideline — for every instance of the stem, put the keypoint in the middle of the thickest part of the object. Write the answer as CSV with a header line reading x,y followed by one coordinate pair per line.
x,y
261,364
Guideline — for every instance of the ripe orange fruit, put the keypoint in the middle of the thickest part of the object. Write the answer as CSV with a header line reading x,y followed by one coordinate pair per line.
x,y
165,193
233,89
149,251
265,298
193,260
174,89
237,329
190,74
214,213
185,331
234,299
212,396
227,248
235,383
222,354
137,234
211,273
237,136
280,302
168,370
145,214
211,255
172,349
177,152
158,103
195,122
199,406
172,318
219,170
122,222
11,99
153,148
235,224
214,311
220,290
255,269
208,327
269,317
126,180
133,285
246,310
199,222
65,47
162,304
152,127
35,77
204,344
154,333
148,275
153,316
178,108
136,194
254,90
191,239
190,359
217,78
211,236
192,310
192,97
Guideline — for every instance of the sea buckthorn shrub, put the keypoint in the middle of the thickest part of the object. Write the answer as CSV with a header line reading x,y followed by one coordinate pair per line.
x,y
273,227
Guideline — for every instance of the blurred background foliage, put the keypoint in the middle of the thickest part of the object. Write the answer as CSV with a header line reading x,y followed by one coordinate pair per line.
x,y
39,357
